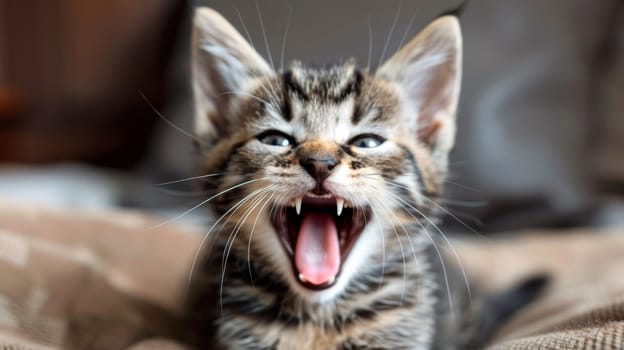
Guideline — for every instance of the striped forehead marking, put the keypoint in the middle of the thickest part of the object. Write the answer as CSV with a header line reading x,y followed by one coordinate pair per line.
x,y
323,86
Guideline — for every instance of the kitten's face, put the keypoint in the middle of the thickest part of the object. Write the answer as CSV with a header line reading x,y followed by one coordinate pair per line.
x,y
318,164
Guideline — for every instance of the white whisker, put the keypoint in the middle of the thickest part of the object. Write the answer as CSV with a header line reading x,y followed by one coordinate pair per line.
x,y
407,30
466,187
403,285
266,44
284,38
171,124
454,217
435,246
235,207
184,194
272,95
240,18
204,202
370,43
188,179
394,23
248,95
240,223
230,241
396,184
252,232
461,203
266,40
461,266
383,239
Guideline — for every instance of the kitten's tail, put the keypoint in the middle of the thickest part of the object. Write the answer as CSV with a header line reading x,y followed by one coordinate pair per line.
x,y
498,308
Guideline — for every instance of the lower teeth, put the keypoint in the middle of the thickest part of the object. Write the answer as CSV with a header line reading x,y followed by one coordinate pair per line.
x,y
304,280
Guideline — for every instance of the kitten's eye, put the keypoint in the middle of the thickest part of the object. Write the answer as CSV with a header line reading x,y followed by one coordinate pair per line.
x,y
275,138
366,141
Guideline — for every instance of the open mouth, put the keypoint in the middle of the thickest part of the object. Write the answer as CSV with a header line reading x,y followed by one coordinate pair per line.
x,y
318,233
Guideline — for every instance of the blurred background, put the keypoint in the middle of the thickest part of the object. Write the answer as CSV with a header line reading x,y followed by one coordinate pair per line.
x,y
540,123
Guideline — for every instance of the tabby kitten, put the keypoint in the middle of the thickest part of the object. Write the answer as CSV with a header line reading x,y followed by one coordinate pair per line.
x,y
324,185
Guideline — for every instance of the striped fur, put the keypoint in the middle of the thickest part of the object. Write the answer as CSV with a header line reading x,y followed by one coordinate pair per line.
x,y
388,293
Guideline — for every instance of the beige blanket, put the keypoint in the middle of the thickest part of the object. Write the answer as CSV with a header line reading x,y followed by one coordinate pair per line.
x,y
79,280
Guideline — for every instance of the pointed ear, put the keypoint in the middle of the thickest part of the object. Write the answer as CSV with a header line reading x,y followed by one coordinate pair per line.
x,y
224,66
428,73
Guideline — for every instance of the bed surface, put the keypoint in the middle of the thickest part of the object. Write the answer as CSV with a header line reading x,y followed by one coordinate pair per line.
x,y
110,280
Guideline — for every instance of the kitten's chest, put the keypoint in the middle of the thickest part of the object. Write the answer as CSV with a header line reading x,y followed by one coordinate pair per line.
x,y
408,327
309,338
391,336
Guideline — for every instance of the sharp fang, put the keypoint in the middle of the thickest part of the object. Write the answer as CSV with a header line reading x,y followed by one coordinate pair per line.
x,y
339,205
331,280
298,205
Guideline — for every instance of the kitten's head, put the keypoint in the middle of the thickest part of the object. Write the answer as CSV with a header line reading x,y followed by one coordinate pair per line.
x,y
319,165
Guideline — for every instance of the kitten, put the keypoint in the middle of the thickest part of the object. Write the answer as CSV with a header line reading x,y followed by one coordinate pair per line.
x,y
325,182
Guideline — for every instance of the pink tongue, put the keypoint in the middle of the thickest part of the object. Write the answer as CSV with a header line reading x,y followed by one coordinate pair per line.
x,y
317,254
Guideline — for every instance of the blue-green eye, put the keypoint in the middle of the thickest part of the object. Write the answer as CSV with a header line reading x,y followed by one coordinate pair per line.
x,y
367,141
275,139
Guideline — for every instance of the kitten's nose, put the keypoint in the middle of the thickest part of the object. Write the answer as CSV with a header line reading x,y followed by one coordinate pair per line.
x,y
319,168
318,163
